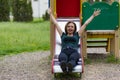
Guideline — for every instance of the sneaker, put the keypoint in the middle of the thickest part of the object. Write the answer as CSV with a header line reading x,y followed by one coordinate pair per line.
x,y
70,67
63,66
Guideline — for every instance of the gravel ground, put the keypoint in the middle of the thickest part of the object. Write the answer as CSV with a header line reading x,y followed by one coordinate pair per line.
x,y
37,66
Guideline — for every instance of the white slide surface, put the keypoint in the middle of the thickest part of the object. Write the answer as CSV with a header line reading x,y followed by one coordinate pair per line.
x,y
62,22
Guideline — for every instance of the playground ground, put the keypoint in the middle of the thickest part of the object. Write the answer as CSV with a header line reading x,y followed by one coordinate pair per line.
x,y
37,66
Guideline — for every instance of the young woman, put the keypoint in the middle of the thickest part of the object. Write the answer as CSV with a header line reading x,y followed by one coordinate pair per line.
x,y
69,55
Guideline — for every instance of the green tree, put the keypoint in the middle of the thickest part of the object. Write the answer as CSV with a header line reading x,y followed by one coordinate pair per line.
x,y
22,10
4,10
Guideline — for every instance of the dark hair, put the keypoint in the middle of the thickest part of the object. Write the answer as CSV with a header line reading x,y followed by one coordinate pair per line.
x,y
67,25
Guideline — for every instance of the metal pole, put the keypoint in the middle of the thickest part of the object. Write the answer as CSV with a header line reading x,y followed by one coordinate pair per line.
x,y
48,3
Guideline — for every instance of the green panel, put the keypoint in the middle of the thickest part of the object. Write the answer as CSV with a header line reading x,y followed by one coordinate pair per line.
x,y
107,20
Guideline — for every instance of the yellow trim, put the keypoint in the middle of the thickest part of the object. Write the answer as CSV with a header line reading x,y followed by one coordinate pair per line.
x,y
108,45
80,9
54,11
100,36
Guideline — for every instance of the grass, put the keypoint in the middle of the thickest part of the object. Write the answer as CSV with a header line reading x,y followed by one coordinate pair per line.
x,y
111,59
105,58
16,37
69,76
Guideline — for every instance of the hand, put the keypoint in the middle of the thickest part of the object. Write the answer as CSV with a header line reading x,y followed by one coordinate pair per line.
x,y
96,12
49,11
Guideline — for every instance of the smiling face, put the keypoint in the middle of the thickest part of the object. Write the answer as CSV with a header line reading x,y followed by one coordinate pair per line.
x,y
70,28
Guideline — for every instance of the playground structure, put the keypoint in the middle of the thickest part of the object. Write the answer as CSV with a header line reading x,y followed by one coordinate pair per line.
x,y
105,25
61,12
64,12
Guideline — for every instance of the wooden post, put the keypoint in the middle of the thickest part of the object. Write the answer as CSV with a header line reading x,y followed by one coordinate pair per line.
x,y
114,48
52,29
51,37
84,44
117,55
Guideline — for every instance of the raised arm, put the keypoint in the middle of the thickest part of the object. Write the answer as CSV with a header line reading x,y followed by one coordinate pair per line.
x,y
95,13
55,22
